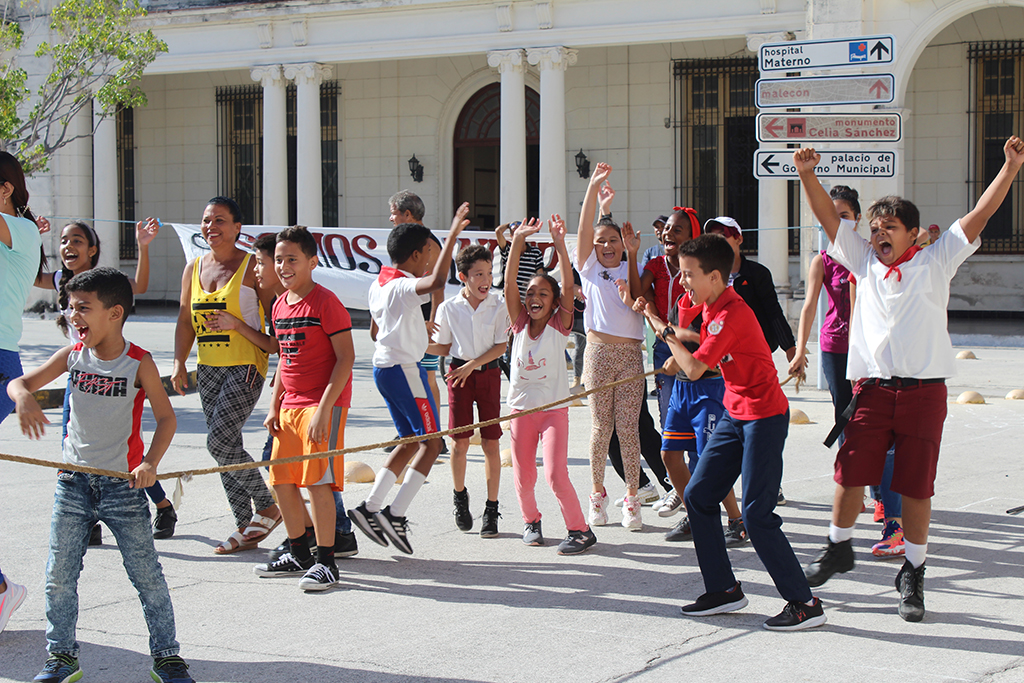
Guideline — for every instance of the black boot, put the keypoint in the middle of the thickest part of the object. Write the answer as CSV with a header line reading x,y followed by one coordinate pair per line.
x,y
489,520
835,558
164,521
910,584
463,517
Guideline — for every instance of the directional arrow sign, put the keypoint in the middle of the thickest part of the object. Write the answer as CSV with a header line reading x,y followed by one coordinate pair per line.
x,y
778,163
829,127
826,54
825,90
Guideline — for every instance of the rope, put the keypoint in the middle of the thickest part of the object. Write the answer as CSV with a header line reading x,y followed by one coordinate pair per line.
x,y
416,438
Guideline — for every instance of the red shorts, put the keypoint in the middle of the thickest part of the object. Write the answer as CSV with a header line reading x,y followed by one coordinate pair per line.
x,y
484,388
912,417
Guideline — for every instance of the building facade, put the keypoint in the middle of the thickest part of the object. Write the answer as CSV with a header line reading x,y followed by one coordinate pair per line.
x,y
316,112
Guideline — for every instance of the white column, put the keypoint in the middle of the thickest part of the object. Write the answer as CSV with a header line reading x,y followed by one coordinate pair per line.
x,y
105,187
552,62
512,191
275,144
773,243
309,178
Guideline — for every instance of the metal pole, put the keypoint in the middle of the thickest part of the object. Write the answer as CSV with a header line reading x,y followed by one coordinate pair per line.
x,y
822,308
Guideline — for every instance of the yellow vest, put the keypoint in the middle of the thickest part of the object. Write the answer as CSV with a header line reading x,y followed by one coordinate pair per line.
x,y
224,348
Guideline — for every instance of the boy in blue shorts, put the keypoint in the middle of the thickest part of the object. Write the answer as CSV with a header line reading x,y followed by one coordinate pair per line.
x,y
308,409
900,355
748,441
395,298
110,380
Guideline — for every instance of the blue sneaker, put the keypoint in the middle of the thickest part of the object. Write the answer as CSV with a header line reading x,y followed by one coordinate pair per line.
x,y
170,670
60,668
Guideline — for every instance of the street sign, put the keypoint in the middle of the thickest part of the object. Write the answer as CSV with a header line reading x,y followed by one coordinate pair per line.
x,y
799,55
801,127
778,163
825,90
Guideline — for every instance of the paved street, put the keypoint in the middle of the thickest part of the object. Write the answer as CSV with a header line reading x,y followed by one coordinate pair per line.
x,y
464,608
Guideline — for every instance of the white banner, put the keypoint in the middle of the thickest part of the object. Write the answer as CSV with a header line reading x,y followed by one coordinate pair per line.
x,y
351,258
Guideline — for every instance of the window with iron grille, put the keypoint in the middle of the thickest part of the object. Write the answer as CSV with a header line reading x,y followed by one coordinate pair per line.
x,y
125,123
996,105
240,158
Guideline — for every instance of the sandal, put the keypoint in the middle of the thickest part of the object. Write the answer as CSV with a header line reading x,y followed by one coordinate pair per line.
x,y
235,543
259,528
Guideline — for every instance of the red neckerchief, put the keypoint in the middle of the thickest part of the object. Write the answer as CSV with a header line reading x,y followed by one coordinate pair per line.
x,y
387,274
907,255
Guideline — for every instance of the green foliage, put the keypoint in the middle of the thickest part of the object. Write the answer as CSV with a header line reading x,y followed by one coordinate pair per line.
x,y
95,51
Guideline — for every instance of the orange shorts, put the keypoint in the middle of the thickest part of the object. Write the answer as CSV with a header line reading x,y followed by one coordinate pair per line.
x,y
293,439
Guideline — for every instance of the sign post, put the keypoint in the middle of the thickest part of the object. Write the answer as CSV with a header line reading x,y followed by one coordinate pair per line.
x,y
835,53
816,91
799,127
778,163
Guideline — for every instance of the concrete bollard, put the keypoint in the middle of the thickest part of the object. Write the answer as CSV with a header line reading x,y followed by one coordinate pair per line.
x,y
970,397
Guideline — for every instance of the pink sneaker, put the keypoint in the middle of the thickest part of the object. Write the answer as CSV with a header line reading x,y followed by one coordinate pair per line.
x,y
879,511
10,600
598,515
891,544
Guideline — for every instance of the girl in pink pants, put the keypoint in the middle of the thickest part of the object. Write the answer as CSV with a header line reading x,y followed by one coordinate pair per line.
x,y
542,323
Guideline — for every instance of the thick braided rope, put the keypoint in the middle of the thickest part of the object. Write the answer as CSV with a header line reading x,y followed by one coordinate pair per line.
x,y
416,438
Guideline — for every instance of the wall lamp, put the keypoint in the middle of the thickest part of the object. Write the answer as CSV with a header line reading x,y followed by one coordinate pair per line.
x,y
416,169
583,164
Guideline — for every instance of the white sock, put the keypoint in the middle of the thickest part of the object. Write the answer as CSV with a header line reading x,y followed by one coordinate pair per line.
x,y
407,491
838,534
914,552
381,485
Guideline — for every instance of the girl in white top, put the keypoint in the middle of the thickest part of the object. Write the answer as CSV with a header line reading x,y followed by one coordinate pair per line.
x,y
540,328
614,351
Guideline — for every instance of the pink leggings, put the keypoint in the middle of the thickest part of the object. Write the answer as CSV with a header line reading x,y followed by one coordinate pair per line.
x,y
552,428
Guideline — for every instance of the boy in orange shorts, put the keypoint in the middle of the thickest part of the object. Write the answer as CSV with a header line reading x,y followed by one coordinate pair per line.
x,y
308,409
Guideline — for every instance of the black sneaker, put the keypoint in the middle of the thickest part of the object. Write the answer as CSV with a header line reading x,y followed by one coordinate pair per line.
x,y
489,521
716,603
60,668
320,577
444,448
781,500
164,521
96,535
396,528
463,517
286,565
796,616
910,584
345,544
532,534
286,546
388,449
170,670
835,558
735,533
577,542
680,532
368,524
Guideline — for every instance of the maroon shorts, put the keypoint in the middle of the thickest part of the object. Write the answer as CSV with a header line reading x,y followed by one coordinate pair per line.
x,y
484,388
912,418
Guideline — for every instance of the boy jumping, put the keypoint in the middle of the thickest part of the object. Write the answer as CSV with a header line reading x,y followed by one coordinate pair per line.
x,y
900,355
110,380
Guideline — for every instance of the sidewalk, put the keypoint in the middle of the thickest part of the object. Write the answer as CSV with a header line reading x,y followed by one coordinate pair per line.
x,y
464,608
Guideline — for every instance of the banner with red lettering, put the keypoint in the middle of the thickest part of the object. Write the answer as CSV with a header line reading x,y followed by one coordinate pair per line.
x,y
351,258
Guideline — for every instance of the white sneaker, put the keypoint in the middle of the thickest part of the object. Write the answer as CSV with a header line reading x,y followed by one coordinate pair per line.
x,y
631,514
598,515
11,600
646,494
661,501
673,504
320,577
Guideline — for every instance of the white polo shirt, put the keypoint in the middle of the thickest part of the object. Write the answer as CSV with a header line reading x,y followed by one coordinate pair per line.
x,y
899,323
395,307
471,332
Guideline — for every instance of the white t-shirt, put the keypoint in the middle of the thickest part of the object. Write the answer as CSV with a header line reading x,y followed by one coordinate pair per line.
x,y
899,323
395,307
605,311
538,365
471,332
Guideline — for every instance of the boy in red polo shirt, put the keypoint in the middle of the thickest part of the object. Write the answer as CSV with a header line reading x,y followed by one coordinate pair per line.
x,y
748,441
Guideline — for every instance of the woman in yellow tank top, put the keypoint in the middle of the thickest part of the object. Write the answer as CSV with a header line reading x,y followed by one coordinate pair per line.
x,y
217,289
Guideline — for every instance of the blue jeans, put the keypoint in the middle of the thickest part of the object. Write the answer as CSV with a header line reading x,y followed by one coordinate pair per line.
x,y
10,368
663,382
833,366
753,449
80,501
342,524
891,501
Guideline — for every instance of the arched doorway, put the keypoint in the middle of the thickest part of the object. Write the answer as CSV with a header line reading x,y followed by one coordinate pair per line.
x,y
477,143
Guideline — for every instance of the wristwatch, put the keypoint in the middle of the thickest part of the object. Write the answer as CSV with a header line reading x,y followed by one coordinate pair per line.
x,y
667,331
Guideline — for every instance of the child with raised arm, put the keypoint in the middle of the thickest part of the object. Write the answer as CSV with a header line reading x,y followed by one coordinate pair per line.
x,y
615,336
401,340
110,380
541,324
472,327
900,354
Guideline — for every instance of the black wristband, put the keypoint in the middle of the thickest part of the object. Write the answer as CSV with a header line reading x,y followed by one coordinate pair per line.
x,y
665,332
607,216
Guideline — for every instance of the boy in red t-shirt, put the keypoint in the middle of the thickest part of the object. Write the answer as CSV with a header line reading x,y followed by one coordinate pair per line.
x,y
748,441
308,408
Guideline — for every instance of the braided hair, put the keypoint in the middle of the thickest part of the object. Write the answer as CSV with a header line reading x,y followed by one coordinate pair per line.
x,y
66,274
